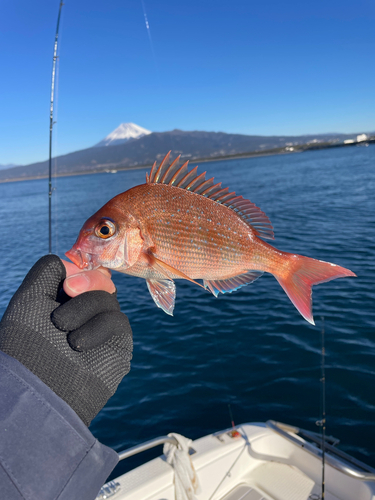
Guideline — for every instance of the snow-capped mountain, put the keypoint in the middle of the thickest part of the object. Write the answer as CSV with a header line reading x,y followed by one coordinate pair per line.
x,y
122,134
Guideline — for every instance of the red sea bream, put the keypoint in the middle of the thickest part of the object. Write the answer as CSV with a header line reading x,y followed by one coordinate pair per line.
x,y
180,225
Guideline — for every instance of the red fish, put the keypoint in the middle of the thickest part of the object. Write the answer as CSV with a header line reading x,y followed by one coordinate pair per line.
x,y
180,225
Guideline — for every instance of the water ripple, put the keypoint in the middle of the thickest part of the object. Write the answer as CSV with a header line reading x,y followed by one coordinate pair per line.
x,y
250,349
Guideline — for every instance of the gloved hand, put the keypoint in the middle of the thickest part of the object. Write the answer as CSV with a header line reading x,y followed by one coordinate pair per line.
x,y
80,347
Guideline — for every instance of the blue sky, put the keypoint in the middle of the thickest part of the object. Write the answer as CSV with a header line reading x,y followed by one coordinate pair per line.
x,y
269,68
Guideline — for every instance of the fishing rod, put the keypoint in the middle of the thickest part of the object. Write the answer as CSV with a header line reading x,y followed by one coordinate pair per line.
x,y
51,123
323,411
322,422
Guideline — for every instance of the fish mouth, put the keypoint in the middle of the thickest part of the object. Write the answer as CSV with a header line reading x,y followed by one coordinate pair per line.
x,y
81,259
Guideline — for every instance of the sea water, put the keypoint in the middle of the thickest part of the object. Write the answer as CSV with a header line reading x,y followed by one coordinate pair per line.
x,y
250,349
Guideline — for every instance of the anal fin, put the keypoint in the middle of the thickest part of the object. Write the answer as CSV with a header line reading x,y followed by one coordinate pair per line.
x,y
164,293
231,284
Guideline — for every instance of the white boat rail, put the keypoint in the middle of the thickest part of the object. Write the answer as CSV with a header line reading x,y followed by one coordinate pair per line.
x,y
146,446
352,467
112,487
346,463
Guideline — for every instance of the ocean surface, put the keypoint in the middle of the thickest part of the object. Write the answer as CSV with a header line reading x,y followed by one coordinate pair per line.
x,y
250,349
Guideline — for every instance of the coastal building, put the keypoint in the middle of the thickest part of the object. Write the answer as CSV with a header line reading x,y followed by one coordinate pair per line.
x,y
362,137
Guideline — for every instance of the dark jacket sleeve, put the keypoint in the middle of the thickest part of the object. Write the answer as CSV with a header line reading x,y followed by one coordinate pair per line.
x,y
46,452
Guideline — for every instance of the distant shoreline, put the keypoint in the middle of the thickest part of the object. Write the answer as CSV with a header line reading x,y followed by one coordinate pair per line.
x,y
146,166
251,154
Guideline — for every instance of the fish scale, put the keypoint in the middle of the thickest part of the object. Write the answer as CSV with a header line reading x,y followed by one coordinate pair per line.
x,y
191,232
181,226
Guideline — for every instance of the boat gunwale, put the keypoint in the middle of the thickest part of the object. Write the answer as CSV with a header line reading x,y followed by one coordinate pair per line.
x,y
290,433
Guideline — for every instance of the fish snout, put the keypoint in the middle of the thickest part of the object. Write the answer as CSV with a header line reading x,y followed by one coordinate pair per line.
x,y
80,259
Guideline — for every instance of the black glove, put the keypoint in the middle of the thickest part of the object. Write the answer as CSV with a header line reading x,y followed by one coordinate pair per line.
x,y
81,347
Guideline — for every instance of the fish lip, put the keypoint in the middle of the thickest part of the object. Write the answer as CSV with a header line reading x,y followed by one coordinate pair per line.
x,y
81,259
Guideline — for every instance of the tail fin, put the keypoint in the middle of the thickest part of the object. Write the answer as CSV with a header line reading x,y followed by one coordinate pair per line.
x,y
303,273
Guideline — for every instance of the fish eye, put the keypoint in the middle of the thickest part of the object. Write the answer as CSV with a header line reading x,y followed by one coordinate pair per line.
x,y
105,229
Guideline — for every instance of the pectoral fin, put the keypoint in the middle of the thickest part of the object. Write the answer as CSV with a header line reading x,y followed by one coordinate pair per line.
x,y
164,293
169,271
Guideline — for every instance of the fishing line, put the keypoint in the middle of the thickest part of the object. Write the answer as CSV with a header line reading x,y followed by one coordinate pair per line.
x,y
51,124
231,395
228,472
231,416
149,35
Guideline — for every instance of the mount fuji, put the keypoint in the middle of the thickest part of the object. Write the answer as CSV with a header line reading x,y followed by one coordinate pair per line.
x,y
123,133
144,147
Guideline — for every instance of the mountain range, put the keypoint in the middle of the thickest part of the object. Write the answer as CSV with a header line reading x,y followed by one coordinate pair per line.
x,y
140,147
8,165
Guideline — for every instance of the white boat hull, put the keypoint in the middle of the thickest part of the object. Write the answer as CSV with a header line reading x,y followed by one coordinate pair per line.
x,y
255,463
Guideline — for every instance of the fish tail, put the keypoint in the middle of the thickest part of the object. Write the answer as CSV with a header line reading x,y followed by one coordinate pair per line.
x,y
300,274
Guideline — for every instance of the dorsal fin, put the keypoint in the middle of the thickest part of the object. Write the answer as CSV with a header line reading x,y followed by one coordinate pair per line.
x,y
182,178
